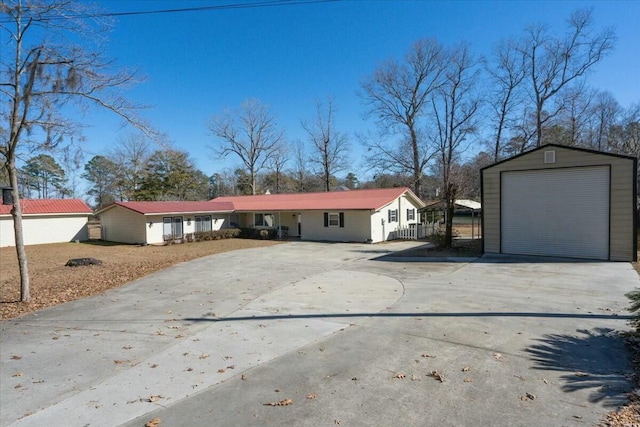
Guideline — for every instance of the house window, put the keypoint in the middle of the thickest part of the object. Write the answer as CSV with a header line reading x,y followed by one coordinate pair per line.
x,y
172,227
264,220
203,223
411,214
334,219
393,215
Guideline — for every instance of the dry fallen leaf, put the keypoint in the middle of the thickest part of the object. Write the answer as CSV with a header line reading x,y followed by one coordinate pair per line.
x,y
120,362
311,396
468,380
154,398
466,369
153,423
243,377
428,355
497,356
283,402
400,376
437,375
203,356
18,374
544,380
16,357
221,371
127,347
528,396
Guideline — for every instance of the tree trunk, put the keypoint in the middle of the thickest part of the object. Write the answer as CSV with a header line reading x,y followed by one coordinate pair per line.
x,y
417,169
450,198
16,213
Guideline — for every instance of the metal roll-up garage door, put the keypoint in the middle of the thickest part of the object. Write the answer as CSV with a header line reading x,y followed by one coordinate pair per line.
x,y
556,212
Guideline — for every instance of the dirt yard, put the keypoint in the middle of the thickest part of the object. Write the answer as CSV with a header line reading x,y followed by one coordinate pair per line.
x,y
52,283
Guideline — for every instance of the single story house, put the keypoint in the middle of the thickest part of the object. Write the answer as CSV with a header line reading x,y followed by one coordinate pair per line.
x,y
563,202
157,222
345,216
46,221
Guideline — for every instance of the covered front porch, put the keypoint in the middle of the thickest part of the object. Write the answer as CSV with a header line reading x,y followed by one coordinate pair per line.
x,y
286,223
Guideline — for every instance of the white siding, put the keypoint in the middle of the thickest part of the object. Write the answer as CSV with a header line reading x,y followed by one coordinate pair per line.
x,y
382,229
356,228
40,229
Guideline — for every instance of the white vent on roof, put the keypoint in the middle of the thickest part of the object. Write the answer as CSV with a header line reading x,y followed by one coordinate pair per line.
x,y
550,156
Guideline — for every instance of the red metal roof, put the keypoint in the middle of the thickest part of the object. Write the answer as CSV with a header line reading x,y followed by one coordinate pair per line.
x,y
373,199
49,206
148,208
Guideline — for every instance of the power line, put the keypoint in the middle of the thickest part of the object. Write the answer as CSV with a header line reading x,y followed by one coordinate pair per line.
x,y
252,5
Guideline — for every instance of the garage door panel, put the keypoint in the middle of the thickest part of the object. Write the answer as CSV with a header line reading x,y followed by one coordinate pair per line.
x,y
556,212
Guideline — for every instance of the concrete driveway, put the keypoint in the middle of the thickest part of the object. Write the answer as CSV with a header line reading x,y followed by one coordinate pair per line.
x,y
350,334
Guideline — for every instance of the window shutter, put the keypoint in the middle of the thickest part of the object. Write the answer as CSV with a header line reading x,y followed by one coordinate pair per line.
x,y
342,219
389,215
326,219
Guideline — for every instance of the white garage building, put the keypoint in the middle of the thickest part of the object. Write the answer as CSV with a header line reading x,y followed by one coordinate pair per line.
x,y
46,221
562,202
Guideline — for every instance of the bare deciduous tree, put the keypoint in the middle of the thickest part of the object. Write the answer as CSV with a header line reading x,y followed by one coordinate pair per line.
x,y
329,145
507,76
131,153
50,58
605,114
396,95
251,134
276,165
454,108
553,63
300,169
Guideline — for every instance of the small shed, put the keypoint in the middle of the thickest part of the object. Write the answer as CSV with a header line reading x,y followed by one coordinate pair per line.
x,y
562,202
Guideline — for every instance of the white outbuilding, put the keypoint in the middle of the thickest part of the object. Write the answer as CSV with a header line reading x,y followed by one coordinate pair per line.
x,y
46,221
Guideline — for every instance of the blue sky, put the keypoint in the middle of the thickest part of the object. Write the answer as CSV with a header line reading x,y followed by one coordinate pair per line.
x,y
199,63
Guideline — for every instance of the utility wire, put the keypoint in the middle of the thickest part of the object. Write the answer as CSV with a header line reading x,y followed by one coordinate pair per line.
x,y
252,5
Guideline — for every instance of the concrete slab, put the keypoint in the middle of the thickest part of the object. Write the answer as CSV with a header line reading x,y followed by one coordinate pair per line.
x,y
350,338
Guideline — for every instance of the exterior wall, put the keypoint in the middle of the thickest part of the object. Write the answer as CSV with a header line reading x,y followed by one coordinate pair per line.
x,y
125,226
122,225
43,229
623,199
357,227
382,229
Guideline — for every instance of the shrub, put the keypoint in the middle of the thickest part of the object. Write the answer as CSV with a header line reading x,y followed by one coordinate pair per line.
x,y
203,236
252,233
